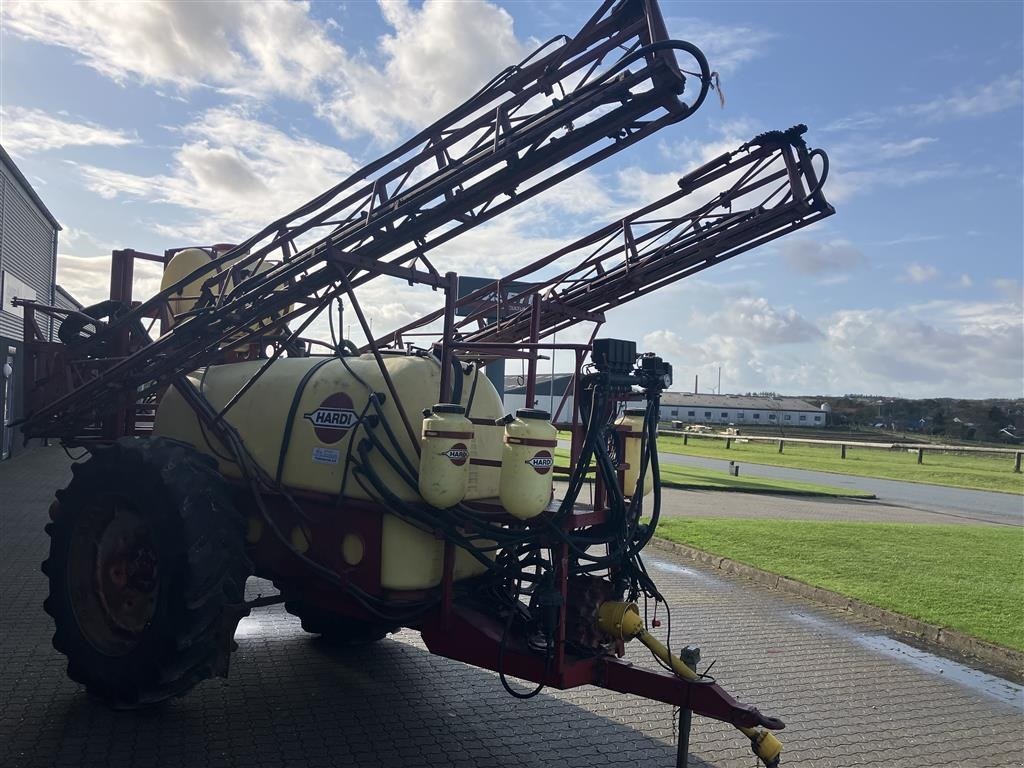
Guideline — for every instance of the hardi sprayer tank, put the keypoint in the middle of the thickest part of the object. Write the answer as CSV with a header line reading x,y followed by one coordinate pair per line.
x,y
304,419
444,455
527,462
630,426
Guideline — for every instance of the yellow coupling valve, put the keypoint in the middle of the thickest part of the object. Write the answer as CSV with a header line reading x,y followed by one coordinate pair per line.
x,y
620,620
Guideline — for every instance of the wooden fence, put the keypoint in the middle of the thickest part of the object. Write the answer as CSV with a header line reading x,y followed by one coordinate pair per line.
x,y
844,444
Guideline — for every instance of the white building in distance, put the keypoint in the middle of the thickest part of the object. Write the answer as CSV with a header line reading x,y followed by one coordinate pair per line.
x,y
685,407
740,410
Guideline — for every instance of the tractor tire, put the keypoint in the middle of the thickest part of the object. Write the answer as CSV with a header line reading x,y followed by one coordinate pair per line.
x,y
336,630
147,571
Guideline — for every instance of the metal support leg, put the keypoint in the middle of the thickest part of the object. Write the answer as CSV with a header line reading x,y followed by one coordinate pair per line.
x,y
690,656
683,750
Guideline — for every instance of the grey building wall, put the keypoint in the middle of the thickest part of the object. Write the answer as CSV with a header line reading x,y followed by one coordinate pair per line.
x,y
28,257
64,300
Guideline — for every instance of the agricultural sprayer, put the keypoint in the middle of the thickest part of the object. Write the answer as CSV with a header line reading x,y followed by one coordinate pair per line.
x,y
385,486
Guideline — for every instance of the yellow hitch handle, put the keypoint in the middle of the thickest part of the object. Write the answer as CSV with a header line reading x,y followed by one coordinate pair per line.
x,y
765,745
622,621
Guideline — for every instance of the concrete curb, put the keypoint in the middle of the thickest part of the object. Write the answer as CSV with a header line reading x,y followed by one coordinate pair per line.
x,y
1006,660
756,491
770,491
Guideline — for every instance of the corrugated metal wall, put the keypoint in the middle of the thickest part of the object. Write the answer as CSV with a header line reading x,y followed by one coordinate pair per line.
x,y
60,299
26,249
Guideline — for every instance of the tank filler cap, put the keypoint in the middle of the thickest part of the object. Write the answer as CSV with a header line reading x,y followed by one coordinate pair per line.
x,y
448,408
533,413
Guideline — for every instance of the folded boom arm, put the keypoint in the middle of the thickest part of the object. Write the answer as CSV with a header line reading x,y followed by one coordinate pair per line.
x,y
571,104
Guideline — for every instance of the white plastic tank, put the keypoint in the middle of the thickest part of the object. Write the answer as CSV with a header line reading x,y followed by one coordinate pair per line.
x,y
527,463
445,448
181,265
188,260
630,426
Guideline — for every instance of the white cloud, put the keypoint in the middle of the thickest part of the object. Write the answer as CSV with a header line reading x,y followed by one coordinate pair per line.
x,y
760,322
25,131
933,349
860,164
746,365
966,281
977,100
727,47
855,122
87,278
1009,288
888,150
253,48
435,58
906,239
231,175
919,273
846,182
1002,93
812,257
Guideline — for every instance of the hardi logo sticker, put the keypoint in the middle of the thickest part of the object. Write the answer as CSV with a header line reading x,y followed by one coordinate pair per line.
x,y
334,418
541,462
458,454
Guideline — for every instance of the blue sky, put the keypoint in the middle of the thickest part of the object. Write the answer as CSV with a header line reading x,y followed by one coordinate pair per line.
x,y
149,125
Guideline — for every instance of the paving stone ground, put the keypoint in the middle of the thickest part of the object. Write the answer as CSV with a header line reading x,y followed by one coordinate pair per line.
x,y
850,696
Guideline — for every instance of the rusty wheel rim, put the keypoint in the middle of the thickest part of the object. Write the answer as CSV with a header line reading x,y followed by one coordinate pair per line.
x,y
113,576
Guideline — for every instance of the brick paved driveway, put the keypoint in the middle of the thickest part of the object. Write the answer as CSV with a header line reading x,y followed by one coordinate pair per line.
x,y
850,696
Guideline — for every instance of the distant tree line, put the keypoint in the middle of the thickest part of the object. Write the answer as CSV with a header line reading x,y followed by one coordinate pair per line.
x,y
1000,421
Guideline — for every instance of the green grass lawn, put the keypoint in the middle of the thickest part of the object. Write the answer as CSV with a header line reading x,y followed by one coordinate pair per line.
x,y
991,472
695,478
966,577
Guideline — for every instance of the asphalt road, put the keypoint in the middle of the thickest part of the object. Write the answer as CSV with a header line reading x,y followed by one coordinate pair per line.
x,y
985,506
679,503
849,693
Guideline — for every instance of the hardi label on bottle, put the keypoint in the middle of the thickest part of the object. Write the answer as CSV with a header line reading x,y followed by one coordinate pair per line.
x,y
542,462
458,454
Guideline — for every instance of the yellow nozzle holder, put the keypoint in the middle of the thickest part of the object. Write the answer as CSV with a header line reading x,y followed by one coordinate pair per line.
x,y
622,621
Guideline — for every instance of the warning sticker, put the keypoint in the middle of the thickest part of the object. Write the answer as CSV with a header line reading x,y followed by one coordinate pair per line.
x,y
326,455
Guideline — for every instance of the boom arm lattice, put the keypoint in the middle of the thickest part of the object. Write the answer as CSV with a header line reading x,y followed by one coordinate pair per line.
x,y
571,104
767,188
